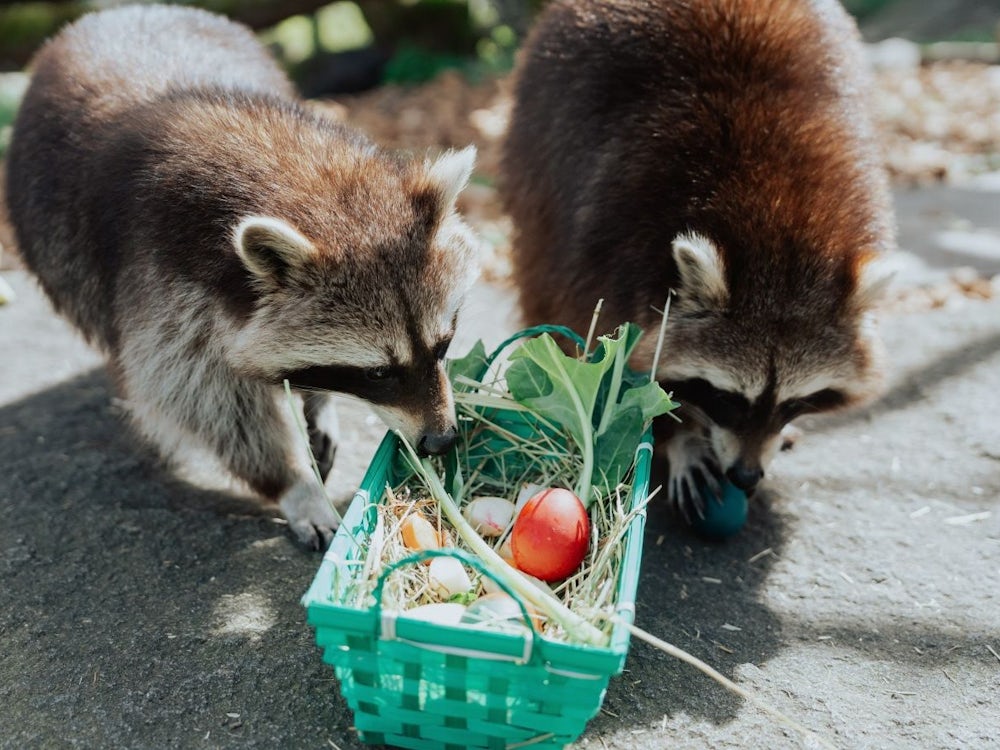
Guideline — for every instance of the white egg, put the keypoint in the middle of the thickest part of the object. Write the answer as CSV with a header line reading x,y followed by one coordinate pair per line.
x,y
494,610
489,516
527,492
448,577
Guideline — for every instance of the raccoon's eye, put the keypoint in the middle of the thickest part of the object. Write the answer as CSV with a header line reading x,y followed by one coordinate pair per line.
x,y
789,410
383,372
725,408
823,400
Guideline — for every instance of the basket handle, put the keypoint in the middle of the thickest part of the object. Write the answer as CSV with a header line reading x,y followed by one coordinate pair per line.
x,y
534,331
467,559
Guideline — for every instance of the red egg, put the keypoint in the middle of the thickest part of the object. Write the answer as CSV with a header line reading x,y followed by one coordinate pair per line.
x,y
550,535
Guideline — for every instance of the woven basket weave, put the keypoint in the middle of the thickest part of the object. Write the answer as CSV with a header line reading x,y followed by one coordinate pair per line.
x,y
419,685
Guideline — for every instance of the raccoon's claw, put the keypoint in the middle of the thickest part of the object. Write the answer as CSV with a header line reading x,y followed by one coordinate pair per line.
x,y
693,471
687,491
686,496
316,538
687,488
321,424
310,515
323,450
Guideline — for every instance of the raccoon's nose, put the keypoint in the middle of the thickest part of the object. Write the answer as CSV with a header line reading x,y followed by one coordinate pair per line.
x,y
743,476
436,443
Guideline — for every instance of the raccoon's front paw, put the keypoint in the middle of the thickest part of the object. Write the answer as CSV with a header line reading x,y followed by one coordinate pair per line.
x,y
692,467
323,450
310,515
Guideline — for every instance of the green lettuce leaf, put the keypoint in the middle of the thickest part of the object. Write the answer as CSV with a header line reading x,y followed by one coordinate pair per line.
x,y
601,404
471,366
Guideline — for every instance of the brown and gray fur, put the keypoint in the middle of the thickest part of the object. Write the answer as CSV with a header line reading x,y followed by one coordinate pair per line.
x,y
214,237
719,149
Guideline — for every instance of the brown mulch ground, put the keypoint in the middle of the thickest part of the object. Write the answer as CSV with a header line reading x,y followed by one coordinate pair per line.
x,y
938,122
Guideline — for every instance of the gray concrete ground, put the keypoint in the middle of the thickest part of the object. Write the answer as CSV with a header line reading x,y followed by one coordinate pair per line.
x,y
138,610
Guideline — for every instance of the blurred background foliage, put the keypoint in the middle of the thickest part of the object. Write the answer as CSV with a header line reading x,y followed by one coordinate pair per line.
x,y
411,40
349,47
403,40
327,48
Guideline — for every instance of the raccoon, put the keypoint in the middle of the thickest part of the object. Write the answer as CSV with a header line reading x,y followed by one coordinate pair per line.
x,y
718,151
215,237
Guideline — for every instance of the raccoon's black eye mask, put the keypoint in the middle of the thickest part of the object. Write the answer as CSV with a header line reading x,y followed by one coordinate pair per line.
x,y
732,411
726,408
380,385
823,400
376,384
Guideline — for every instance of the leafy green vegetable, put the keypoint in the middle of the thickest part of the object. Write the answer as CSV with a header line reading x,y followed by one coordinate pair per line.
x,y
599,403
470,367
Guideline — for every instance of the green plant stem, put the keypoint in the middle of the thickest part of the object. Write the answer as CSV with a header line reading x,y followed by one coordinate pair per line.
x,y
583,484
616,383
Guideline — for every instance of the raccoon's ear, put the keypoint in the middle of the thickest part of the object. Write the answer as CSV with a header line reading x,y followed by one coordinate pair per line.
x,y
701,270
450,173
270,248
874,277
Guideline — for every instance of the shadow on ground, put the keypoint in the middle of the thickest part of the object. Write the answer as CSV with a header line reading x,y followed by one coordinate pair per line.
x,y
912,389
703,597
139,611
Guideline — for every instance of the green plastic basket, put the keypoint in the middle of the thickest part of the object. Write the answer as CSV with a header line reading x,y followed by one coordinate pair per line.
x,y
421,685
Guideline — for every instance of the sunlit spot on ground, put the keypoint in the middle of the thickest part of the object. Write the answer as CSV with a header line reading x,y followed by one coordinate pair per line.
x,y
248,614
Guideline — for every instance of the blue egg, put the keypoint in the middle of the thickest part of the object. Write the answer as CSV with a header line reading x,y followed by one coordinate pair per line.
x,y
724,516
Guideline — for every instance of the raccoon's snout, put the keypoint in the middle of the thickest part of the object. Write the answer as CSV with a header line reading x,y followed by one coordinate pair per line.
x,y
436,443
743,476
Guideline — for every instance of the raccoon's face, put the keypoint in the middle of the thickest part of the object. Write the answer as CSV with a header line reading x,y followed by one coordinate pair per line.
x,y
747,363
374,319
